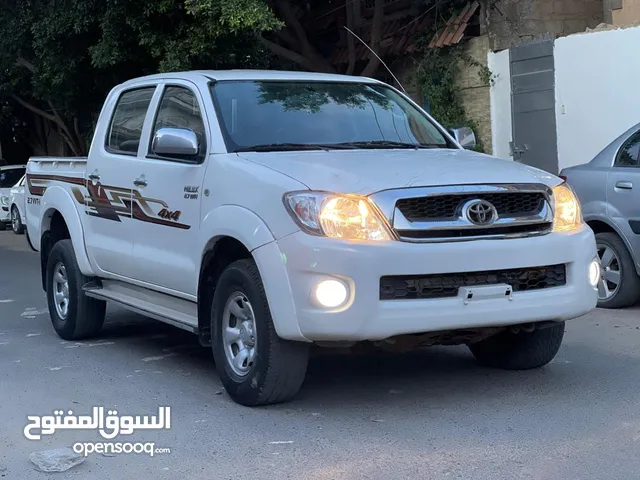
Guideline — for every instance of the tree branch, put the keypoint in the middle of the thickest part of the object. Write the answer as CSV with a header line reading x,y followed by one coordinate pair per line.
x,y
77,150
288,54
376,33
33,108
314,61
23,62
291,20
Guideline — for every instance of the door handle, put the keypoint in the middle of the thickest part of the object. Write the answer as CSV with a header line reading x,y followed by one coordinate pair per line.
x,y
94,176
140,182
624,185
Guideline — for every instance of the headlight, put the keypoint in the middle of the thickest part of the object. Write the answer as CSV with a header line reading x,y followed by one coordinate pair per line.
x,y
4,200
350,217
567,211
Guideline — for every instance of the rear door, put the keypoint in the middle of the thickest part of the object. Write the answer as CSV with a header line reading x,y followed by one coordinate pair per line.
x,y
167,196
623,190
109,238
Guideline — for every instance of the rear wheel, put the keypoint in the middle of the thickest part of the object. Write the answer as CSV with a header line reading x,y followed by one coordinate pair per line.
x,y
255,365
16,221
620,284
520,351
74,315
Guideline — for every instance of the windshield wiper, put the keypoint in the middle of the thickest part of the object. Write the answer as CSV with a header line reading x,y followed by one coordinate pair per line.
x,y
390,144
281,147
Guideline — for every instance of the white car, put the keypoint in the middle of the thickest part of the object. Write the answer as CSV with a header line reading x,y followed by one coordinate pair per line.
x,y
269,211
17,207
10,175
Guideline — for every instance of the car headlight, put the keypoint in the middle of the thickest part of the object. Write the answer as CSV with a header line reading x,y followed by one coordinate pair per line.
x,y
567,212
350,217
4,200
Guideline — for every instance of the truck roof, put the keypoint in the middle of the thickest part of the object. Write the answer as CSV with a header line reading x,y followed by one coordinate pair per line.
x,y
241,74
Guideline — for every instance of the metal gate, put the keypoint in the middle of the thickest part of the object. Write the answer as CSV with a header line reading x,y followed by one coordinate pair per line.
x,y
533,106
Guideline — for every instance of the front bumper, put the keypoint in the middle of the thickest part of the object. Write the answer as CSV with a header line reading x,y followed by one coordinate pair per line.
x,y
5,215
293,266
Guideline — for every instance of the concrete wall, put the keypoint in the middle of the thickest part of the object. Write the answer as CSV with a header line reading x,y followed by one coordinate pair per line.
x,y
597,76
628,14
596,89
474,92
512,22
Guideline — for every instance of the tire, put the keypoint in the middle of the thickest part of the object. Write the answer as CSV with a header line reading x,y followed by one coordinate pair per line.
x,y
16,221
519,351
279,366
85,315
627,292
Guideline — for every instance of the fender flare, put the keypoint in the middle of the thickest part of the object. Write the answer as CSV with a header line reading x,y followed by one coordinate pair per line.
x,y
249,229
236,222
56,198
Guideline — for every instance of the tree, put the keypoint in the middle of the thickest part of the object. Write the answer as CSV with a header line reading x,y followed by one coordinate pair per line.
x,y
59,58
293,43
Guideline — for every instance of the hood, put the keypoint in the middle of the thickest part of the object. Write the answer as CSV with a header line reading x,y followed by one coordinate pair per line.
x,y
368,171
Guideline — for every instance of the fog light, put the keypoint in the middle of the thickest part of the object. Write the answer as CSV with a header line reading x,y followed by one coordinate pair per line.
x,y
331,293
594,273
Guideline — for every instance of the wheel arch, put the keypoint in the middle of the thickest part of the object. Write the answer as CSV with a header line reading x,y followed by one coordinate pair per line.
x,y
603,225
59,220
219,252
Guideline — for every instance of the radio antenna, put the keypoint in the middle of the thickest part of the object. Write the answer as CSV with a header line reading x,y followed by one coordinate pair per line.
x,y
377,56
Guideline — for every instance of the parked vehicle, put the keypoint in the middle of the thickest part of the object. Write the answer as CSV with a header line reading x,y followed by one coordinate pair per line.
x,y
609,189
9,176
268,211
17,207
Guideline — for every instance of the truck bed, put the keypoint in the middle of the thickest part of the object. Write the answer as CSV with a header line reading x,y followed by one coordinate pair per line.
x,y
44,173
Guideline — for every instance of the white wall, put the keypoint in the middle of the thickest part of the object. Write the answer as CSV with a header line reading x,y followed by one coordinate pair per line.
x,y
597,91
501,132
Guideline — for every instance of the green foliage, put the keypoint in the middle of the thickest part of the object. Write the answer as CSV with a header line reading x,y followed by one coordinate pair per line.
x,y
438,70
63,56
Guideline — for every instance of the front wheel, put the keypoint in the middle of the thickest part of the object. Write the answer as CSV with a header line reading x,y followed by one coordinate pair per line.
x,y
16,222
74,315
620,283
255,365
520,351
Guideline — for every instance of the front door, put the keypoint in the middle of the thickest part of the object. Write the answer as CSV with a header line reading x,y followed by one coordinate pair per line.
x,y
623,190
167,197
109,238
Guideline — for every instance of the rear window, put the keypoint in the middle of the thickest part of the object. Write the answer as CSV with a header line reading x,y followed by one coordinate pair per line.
x,y
11,176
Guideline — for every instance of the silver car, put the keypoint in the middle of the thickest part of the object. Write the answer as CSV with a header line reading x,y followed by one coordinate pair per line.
x,y
609,190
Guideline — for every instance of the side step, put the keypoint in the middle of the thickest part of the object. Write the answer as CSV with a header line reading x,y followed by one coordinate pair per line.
x,y
159,306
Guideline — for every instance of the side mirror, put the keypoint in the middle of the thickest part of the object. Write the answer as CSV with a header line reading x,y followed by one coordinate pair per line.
x,y
175,142
464,136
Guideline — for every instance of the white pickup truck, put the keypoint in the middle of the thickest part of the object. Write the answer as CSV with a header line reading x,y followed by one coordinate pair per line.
x,y
268,212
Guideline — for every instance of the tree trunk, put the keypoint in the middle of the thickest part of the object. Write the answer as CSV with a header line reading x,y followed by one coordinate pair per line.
x,y
376,33
351,45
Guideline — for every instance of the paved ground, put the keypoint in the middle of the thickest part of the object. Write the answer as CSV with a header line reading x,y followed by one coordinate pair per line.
x,y
431,415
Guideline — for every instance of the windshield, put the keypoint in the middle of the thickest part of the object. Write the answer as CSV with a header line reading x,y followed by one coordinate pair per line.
x,y
11,176
289,115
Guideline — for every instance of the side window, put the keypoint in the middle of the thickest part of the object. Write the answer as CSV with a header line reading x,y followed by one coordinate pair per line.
x,y
629,155
128,119
179,108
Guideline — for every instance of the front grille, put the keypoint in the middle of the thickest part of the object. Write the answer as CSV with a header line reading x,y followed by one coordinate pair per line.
x,y
411,287
447,206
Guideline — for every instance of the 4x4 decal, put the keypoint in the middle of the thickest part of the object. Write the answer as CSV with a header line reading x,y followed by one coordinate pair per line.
x,y
110,203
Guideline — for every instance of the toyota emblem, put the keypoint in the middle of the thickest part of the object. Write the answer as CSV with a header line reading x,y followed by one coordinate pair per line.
x,y
480,212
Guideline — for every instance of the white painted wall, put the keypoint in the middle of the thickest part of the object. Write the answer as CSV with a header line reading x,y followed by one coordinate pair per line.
x,y
597,78
597,91
501,131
